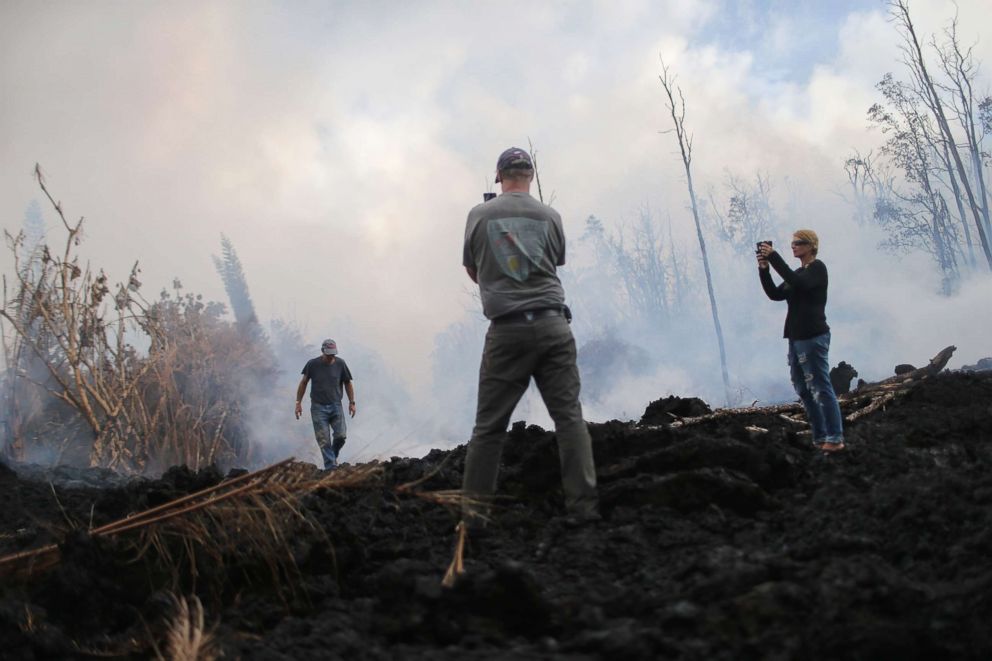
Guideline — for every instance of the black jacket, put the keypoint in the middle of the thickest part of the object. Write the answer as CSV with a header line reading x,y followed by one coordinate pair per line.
x,y
805,290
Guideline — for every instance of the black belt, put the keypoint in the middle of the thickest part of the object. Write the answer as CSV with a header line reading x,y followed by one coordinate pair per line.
x,y
528,315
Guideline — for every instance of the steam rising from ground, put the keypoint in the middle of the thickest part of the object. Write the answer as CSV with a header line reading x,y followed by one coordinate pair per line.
x,y
883,310
340,148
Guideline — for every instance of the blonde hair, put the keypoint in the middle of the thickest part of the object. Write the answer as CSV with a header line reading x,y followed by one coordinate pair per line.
x,y
810,237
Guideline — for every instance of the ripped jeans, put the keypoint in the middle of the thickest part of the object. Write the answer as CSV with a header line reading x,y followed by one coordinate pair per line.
x,y
810,370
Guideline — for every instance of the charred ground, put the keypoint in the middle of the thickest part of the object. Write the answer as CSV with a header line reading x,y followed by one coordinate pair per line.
x,y
717,542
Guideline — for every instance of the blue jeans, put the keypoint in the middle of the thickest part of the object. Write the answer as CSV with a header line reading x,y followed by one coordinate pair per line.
x,y
328,418
810,370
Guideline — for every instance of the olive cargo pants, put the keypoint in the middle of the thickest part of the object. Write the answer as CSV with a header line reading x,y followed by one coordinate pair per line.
x,y
514,352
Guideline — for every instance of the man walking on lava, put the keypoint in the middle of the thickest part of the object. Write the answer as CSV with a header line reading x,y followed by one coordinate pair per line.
x,y
513,244
328,373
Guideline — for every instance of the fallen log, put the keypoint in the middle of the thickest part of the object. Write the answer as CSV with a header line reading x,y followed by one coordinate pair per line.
x,y
865,399
899,381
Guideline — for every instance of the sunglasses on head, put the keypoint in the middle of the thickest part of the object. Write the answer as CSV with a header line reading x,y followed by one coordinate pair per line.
x,y
800,243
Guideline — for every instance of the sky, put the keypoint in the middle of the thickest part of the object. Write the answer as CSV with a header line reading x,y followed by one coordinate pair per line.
x,y
339,145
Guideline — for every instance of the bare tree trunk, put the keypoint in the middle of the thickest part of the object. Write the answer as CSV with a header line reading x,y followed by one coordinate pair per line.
x,y
945,252
928,92
937,208
946,159
677,110
961,70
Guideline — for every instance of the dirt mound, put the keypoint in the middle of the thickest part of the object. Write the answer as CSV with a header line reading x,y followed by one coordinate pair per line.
x,y
717,543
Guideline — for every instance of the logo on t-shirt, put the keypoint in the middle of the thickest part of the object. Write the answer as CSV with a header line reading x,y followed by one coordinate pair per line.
x,y
519,244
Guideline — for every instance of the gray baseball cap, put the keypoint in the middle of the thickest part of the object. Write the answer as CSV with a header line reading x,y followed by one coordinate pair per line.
x,y
329,348
513,158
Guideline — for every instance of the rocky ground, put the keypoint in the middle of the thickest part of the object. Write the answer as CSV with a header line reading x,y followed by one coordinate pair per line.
x,y
717,543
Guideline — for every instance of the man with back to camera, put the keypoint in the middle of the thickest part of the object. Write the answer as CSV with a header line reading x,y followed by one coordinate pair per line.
x,y
329,374
513,246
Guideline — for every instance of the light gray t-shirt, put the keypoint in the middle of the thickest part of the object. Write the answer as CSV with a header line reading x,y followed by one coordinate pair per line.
x,y
514,242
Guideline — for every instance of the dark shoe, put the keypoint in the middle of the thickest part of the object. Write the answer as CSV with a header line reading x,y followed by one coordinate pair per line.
x,y
831,448
827,446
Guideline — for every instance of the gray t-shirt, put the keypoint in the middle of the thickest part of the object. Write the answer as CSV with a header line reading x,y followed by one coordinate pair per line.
x,y
326,380
514,242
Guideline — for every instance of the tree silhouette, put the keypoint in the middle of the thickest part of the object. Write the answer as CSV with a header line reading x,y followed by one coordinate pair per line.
x,y
232,274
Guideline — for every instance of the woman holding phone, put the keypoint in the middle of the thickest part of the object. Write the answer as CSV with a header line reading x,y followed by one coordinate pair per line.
x,y
805,291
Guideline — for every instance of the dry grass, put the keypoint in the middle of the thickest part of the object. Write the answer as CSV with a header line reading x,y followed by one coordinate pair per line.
x,y
193,545
28,624
187,638
248,521
457,566
248,524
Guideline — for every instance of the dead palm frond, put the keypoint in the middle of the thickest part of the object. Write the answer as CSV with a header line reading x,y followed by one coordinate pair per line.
x,y
253,517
